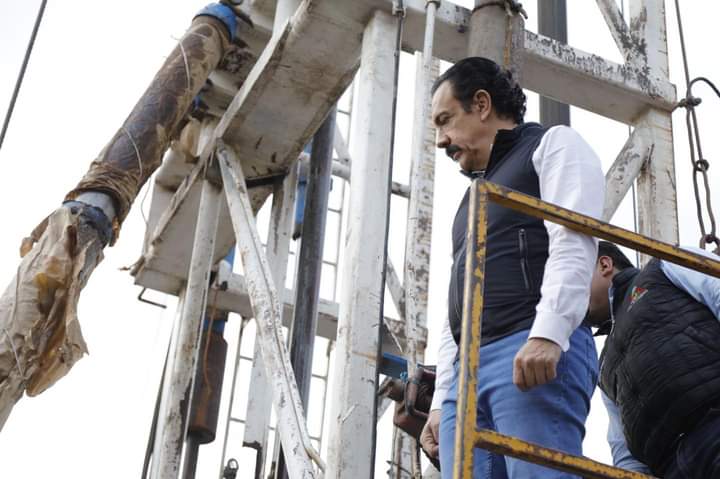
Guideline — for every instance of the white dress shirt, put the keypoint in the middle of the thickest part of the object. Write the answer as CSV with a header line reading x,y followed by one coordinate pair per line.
x,y
570,176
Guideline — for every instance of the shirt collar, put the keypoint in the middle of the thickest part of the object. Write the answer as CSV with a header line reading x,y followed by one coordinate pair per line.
x,y
505,140
616,294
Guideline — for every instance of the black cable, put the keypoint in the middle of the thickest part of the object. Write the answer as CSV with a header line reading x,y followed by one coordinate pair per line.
x,y
19,81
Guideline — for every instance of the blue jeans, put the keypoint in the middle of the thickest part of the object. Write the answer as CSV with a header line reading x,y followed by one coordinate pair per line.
x,y
552,415
698,453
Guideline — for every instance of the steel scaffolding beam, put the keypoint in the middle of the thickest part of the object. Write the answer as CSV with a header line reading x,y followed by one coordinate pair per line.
x,y
299,74
178,384
286,398
352,433
552,22
657,200
278,244
626,168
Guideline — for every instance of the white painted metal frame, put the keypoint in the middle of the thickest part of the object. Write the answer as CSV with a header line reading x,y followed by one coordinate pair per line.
x,y
257,423
351,451
657,200
619,178
266,306
185,343
637,92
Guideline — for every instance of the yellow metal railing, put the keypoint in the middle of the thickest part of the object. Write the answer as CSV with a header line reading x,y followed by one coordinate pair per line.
x,y
467,436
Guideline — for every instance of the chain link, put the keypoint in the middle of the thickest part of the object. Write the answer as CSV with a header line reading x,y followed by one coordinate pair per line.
x,y
700,164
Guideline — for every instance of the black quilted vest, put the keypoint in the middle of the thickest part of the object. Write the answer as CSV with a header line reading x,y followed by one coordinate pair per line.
x,y
517,244
661,362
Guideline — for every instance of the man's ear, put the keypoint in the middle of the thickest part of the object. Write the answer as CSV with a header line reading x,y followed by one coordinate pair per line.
x,y
606,265
482,103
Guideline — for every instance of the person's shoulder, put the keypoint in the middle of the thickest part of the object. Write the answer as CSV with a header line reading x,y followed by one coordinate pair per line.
x,y
562,133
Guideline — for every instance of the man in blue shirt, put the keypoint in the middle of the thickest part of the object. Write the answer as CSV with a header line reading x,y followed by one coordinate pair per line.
x,y
660,369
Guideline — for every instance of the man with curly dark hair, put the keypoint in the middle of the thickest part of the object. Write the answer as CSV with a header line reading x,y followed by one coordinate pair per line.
x,y
538,364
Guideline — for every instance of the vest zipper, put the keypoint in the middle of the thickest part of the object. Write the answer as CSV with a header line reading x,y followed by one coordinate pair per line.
x,y
458,310
524,258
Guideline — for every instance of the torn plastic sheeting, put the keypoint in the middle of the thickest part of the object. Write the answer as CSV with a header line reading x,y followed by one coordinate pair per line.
x,y
136,150
39,328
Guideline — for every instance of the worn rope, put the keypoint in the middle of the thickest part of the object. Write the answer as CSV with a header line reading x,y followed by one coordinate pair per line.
x,y
700,164
137,151
187,66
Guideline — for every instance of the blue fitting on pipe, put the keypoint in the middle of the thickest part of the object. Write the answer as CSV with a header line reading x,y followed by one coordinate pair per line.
x,y
300,200
222,13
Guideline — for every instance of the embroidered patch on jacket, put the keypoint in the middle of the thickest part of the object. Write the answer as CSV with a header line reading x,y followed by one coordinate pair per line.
x,y
635,295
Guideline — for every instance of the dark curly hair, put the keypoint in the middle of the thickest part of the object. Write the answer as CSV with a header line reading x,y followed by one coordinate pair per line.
x,y
476,73
620,261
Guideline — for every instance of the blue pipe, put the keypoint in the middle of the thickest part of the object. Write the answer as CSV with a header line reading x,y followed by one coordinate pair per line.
x,y
220,316
222,13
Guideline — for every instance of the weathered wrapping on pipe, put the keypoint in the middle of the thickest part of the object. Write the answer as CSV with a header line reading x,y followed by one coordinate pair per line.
x,y
40,336
39,329
136,150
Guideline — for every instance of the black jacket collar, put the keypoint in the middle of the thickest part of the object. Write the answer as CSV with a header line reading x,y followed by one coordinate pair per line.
x,y
505,140
620,284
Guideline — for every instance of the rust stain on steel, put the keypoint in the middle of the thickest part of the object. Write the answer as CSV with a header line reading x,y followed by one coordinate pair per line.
x,y
136,150
592,227
471,330
598,67
630,44
587,468
466,435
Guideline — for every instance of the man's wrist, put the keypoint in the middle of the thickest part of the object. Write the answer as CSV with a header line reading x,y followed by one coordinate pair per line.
x,y
552,327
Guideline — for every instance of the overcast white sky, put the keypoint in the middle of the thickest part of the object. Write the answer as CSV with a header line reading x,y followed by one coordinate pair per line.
x,y
91,62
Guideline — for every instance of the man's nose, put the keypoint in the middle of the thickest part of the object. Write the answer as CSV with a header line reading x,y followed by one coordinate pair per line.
x,y
442,140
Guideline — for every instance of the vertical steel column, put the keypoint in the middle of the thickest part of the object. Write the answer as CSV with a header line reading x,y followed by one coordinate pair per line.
x,y
278,243
419,229
657,200
307,290
466,422
154,426
552,22
420,204
496,35
309,269
351,450
177,389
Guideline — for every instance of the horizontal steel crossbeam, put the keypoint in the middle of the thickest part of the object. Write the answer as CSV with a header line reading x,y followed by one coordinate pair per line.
x,y
514,447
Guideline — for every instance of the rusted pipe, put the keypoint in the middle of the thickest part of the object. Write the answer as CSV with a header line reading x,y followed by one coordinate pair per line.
x,y
136,150
41,337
